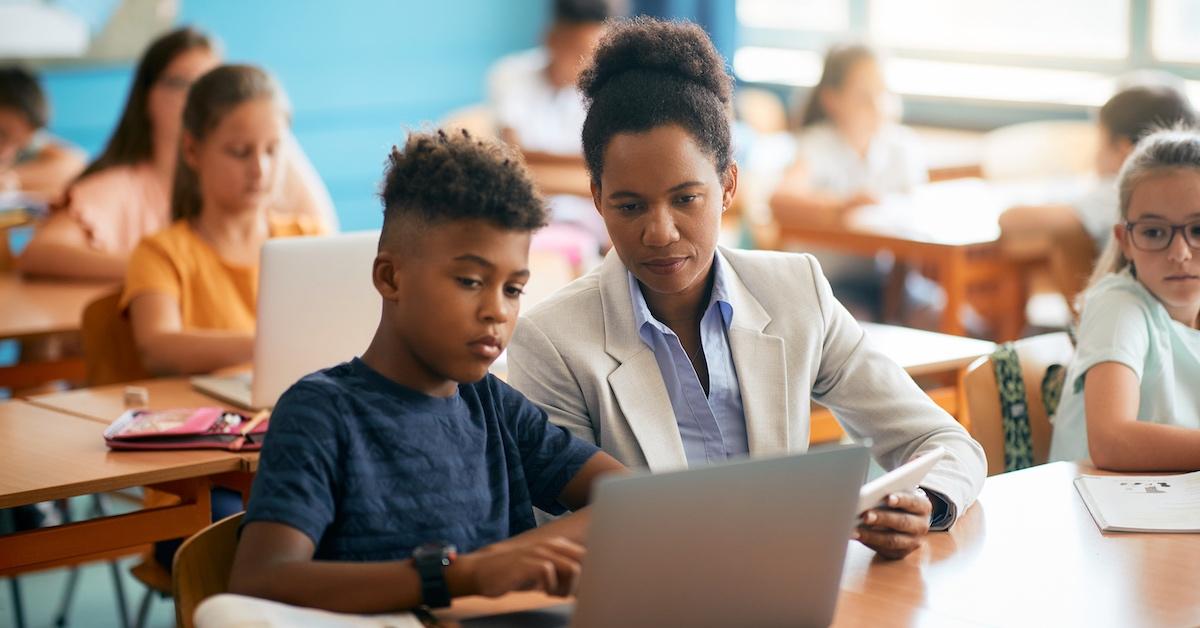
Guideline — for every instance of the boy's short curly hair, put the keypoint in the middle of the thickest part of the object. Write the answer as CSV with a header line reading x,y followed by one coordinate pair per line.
x,y
442,176
648,73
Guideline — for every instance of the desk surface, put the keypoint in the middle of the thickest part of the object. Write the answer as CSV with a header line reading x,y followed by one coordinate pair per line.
x,y
1027,553
923,352
961,212
50,455
33,307
106,403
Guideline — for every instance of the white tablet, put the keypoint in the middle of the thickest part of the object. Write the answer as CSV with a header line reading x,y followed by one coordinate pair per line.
x,y
903,478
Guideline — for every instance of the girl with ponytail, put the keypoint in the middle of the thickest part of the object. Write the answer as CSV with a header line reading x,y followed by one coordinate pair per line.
x,y
191,289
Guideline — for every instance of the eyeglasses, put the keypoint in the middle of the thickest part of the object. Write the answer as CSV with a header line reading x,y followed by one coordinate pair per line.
x,y
1157,235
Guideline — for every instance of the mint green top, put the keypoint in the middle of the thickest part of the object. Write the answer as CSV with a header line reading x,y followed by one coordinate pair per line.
x,y
1123,322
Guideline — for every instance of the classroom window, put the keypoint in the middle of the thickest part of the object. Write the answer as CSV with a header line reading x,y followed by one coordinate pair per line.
x,y
1175,25
1018,59
817,15
1089,29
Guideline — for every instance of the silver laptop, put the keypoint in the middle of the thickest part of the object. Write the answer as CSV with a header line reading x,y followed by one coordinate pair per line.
x,y
317,307
752,543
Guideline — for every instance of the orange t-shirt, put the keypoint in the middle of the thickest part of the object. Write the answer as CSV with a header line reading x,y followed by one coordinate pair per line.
x,y
212,293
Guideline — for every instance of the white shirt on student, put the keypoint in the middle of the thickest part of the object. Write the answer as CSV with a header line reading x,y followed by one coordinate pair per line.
x,y
1123,322
544,118
894,162
1098,210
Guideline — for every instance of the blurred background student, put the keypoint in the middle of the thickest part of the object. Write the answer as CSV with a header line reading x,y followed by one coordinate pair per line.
x,y
538,108
1070,236
850,152
31,160
123,195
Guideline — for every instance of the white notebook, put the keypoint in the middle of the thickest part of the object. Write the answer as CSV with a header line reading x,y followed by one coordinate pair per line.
x,y
1155,503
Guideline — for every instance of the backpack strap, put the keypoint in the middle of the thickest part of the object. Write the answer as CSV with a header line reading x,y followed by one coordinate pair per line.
x,y
1052,387
1018,440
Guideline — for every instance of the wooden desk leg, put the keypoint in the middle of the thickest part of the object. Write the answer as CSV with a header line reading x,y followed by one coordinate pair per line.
x,y
952,273
1014,286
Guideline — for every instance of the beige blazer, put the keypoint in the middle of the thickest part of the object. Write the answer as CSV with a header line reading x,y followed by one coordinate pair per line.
x,y
578,356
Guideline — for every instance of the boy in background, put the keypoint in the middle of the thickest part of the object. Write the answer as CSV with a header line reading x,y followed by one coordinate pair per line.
x,y
31,161
1070,236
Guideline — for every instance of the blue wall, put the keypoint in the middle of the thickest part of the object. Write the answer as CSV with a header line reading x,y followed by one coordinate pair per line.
x,y
359,74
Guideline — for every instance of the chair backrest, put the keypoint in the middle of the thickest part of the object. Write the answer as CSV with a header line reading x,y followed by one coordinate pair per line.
x,y
110,355
1052,148
202,566
982,409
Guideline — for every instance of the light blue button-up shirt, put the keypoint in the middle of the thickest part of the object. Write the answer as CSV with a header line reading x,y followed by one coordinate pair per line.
x,y
713,426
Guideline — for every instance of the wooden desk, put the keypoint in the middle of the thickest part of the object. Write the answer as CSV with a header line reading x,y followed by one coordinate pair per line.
x,y
49,455
1027,554
39,308
921,354
103,404
951,228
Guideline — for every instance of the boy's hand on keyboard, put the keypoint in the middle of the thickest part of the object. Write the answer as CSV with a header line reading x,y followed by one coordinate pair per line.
x,y
551,565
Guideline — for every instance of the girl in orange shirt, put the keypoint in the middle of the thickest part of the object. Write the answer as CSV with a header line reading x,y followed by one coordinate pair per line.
x,y
190,289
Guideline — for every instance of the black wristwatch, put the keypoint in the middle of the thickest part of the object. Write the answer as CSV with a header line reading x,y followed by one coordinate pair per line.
x,y
431,561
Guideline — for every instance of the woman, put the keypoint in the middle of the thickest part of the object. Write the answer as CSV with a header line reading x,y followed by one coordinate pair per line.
x,y
676,352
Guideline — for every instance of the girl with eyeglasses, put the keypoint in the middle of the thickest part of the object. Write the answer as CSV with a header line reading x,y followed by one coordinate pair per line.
x,y
1132,395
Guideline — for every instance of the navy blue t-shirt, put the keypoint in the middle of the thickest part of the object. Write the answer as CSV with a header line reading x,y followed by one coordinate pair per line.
x,y
369,469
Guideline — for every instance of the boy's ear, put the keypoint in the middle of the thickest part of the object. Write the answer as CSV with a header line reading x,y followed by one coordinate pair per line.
x,y
1124,147
383,275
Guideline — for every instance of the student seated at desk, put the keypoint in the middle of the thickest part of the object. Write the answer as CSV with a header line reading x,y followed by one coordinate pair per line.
x,y
1070,235
537,107
190,290
850,153
31,161
124,195
677,352
1131,398
377,470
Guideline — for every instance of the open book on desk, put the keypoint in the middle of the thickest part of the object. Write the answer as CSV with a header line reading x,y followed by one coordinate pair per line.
x,y
1155,503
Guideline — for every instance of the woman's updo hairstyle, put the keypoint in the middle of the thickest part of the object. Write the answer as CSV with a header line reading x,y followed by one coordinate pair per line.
x,y
648,73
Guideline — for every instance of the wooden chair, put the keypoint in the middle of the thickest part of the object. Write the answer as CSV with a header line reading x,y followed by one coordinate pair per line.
x,y
109,353
202,566
981,406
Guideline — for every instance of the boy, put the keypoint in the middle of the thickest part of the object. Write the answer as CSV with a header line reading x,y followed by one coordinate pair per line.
x,y
30,160
377,470
1070,236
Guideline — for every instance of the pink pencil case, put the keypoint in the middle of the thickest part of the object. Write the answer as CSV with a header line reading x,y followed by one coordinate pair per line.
x,y
186,428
